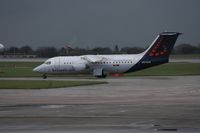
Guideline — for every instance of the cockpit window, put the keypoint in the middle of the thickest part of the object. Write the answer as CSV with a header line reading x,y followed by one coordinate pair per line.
x,y
48,62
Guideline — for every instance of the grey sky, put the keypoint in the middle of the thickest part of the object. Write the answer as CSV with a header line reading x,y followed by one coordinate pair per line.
x,y
89,23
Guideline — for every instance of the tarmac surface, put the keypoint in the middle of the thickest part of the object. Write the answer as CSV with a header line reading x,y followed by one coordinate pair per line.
x,y
124,104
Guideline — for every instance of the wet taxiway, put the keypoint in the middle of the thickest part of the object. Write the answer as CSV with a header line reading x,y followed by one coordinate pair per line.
x,y
125,104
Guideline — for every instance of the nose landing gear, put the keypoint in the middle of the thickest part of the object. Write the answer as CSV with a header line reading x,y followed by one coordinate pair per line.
x,y
44,76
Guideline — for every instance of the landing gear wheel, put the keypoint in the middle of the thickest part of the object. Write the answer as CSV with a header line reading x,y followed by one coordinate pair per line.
x,y
102,76
44,76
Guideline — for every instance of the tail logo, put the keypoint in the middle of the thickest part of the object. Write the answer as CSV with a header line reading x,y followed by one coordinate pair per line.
x,y
158,50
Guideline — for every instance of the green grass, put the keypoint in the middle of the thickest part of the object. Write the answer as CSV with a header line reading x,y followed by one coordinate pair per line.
x,y
18,69
42,84
170,69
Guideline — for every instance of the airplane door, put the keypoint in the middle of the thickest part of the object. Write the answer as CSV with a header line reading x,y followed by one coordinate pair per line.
x,y
57,63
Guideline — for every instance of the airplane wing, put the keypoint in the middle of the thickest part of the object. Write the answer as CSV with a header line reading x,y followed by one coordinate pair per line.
x,y
94,58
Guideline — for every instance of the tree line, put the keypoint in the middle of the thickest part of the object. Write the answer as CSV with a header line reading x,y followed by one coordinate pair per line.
x,y
53,51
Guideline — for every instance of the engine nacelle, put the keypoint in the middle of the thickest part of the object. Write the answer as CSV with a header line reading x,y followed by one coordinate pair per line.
x,y
79,67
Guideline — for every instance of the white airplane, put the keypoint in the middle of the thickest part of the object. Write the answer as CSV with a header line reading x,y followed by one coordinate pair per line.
x,y
102,65
1,47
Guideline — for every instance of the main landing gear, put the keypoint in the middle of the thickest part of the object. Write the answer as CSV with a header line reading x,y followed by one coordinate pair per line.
x,y
101,76
44,76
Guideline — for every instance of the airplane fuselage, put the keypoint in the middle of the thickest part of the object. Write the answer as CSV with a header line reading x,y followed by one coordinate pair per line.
x,y
77,64
101,65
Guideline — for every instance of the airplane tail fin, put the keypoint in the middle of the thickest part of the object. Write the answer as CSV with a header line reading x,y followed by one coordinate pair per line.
x,y
158,52
162,45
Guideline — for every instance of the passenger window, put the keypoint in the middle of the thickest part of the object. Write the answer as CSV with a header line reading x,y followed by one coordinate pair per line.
x,y
48,62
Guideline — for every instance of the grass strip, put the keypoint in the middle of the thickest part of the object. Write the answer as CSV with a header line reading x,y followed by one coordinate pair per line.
x,y
170,69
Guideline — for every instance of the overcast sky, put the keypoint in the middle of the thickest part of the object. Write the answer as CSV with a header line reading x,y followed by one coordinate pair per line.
x,y
90,23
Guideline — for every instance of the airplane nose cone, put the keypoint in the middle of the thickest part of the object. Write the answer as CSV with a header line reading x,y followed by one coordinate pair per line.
x,y
41,69
37,69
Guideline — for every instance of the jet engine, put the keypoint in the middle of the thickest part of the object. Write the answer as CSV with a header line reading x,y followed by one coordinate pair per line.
x,y
80,67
